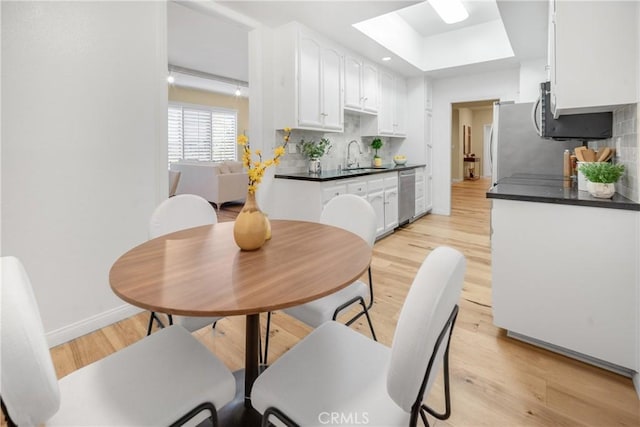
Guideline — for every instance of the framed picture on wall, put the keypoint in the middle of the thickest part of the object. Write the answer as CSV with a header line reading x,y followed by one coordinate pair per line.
x,y
466,135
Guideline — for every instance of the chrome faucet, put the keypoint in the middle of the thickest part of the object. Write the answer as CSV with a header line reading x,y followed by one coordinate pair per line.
x,y
355,160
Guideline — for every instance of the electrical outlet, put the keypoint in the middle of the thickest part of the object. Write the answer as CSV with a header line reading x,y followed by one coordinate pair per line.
x,y
618,146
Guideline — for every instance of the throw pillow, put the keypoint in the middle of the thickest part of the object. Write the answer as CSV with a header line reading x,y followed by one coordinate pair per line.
x,y
222,168
235,167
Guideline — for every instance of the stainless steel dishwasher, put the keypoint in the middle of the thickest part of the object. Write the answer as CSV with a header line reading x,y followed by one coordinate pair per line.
x,y
407,198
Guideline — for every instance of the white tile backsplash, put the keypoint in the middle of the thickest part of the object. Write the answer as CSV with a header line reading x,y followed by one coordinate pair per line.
x,y
337,156
625,141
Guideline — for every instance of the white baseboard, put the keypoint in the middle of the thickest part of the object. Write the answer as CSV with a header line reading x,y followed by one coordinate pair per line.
x,y
93,323
636,383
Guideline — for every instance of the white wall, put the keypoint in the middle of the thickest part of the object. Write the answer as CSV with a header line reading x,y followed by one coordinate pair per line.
x,y
532,73
262,134
84,148
501,85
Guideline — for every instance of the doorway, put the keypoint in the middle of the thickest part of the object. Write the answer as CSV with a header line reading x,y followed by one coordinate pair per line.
x,y
470,139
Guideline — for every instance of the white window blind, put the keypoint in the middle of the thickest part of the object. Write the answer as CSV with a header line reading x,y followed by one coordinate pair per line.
x,y
201,133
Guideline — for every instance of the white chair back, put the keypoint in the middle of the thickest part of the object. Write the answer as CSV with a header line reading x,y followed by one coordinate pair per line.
x,y
352,213
433,295
180,212
29,387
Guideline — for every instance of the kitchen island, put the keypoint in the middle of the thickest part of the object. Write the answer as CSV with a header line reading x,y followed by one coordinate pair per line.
x,y
566,270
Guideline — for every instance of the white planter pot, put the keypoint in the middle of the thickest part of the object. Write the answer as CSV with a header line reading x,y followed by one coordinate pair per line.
x,y
600,190
315,166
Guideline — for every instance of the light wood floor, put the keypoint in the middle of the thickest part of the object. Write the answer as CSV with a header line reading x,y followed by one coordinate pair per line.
x,y
496,381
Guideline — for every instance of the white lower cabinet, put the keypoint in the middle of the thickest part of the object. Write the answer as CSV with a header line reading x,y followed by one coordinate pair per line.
x,y
376,199
304,200
390,202
566,278
421,205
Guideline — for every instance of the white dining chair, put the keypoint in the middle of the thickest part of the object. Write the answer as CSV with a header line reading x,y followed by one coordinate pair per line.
x,y
337,376
355,214
189,383
175,214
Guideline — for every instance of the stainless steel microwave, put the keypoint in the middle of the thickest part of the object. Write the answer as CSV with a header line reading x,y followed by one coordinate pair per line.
x,y
574,126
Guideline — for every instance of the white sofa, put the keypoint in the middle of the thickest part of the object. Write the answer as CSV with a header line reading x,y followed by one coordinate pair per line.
x,y
217,182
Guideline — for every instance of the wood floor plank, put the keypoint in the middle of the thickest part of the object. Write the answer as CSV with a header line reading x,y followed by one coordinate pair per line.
x,y
496,381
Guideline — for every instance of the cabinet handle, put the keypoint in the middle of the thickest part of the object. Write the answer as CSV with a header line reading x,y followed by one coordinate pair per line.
x,y
324,114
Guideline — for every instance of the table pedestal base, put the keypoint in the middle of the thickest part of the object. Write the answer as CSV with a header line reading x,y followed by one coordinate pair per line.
x,y
238,412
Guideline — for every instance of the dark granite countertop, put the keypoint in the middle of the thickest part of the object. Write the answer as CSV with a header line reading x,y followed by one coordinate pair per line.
x,y
331,175
551,189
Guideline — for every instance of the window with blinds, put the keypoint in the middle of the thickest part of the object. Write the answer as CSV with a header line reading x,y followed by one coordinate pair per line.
x,y
201,133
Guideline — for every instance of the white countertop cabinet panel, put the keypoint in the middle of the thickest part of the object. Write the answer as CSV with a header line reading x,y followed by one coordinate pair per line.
x,y
568,276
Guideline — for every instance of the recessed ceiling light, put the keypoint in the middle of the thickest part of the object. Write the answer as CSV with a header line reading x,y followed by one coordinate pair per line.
x,y
386,58
451,11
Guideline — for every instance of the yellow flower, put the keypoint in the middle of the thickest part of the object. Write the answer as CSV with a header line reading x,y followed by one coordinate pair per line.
x,y
257,168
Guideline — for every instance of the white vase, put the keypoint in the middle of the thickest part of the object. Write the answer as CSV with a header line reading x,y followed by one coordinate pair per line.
x,y
601,190
314,166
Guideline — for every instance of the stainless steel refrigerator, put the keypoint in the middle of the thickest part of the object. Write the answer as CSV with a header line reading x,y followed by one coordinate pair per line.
x,y
517,149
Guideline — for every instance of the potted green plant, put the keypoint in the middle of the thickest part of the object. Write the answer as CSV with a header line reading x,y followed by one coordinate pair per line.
x,y
314,151
376,144
601,178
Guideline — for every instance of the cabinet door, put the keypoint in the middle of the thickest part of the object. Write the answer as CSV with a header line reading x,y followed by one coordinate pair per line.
x,y
352,83
400,107
428,185
309,89
390,208
594,70
369,88
331,191
331,83
386,113
377,201
428,194
359,188
419,191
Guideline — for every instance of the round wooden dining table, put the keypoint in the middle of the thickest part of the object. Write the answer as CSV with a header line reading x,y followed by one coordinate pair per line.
x,y
201,272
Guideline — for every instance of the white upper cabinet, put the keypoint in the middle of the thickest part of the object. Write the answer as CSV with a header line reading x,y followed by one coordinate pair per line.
x,y
360,85
387,104
331,84
369,87
391,119
593,55
308,77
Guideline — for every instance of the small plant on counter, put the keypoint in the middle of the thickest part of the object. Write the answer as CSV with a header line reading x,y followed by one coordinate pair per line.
x,y
376,144
602,172
314,150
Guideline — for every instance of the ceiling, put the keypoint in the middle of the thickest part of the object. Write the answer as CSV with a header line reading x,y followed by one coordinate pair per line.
x,y
212,36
